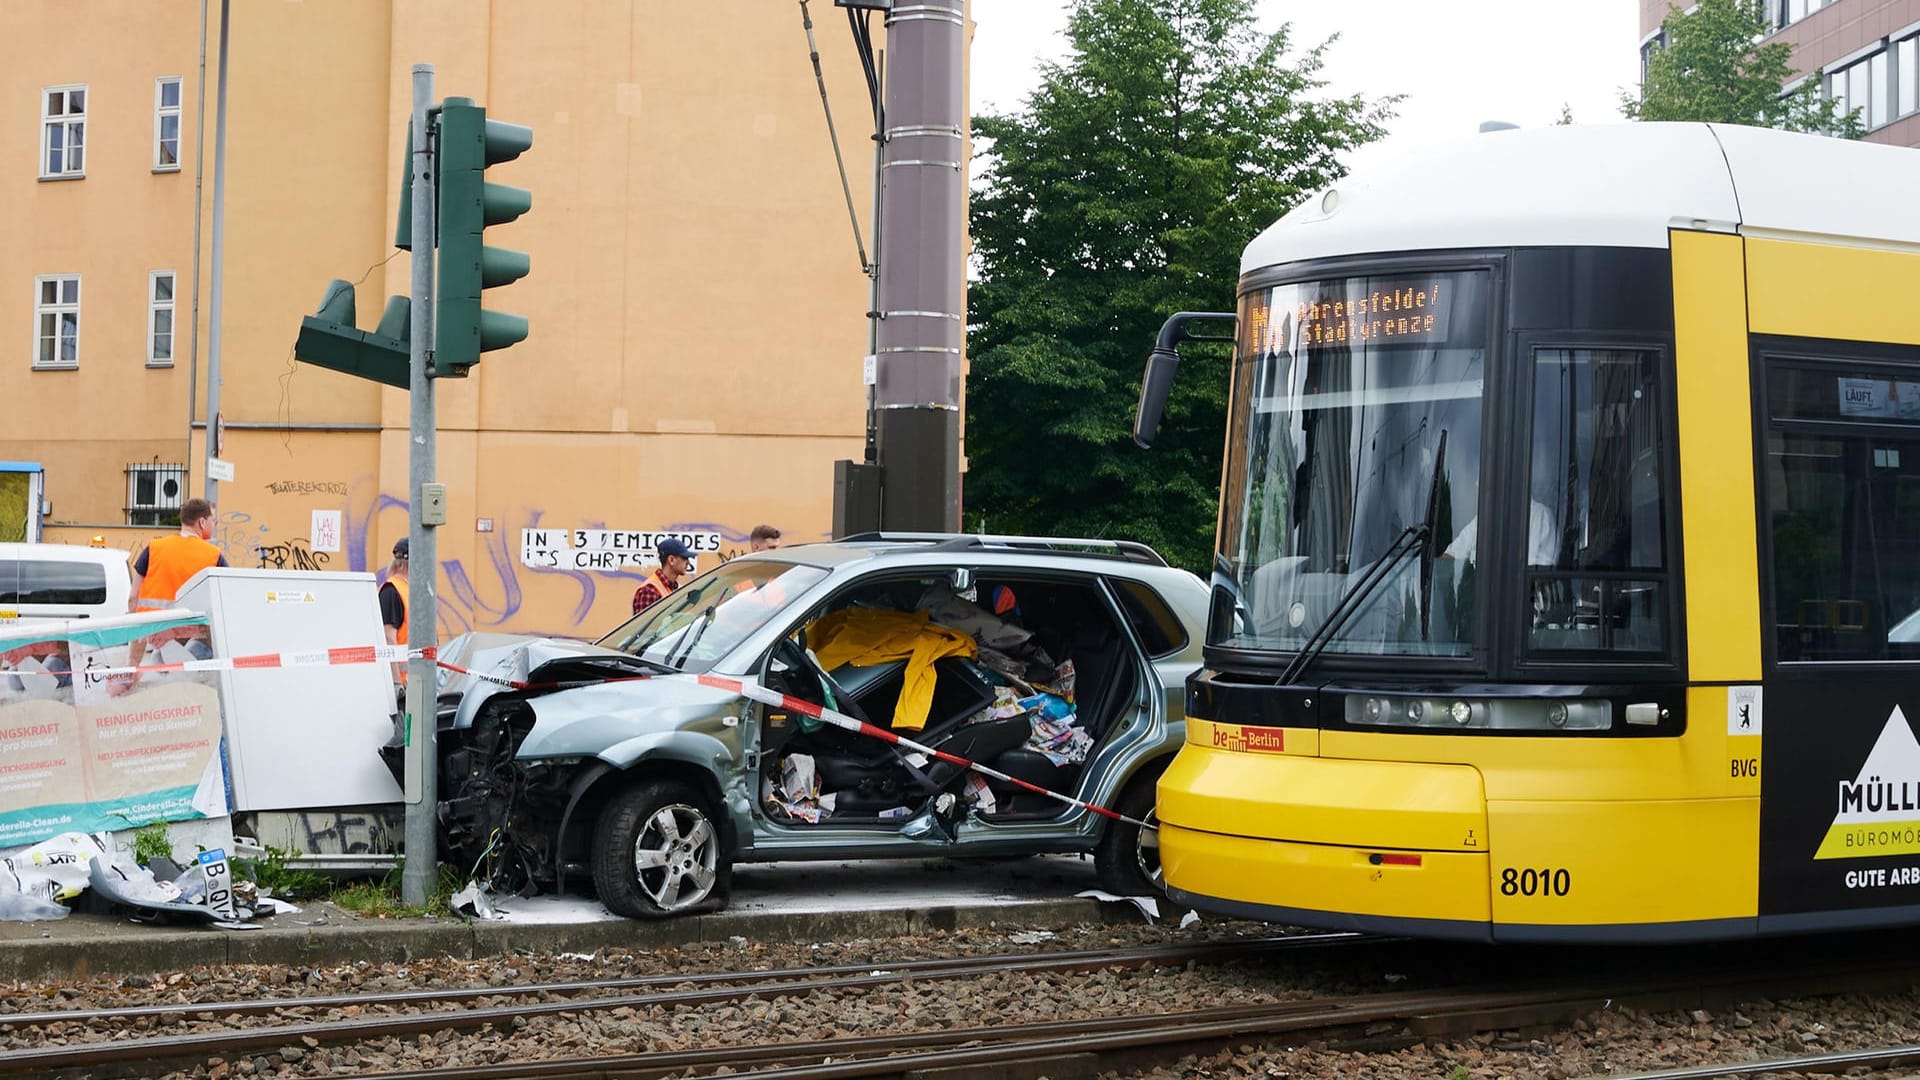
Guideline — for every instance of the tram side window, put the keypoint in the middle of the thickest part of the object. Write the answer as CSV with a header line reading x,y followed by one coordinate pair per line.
x,y
1596,566
1843,511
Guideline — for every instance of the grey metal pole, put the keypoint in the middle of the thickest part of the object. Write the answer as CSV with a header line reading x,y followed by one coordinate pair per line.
x,y
873,268
423,842
212,486
921,325
199,169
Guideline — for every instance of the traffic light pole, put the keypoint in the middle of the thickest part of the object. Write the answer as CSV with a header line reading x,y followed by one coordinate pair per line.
x,y
422,834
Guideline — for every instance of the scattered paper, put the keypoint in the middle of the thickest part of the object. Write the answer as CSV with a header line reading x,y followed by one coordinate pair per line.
x,y
473,900
1148,905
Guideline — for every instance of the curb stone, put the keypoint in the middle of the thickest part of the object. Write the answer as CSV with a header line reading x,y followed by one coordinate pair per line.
x,y
82,947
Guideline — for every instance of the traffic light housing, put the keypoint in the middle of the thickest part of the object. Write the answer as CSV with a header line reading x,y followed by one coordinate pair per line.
x,y
468,144
330,339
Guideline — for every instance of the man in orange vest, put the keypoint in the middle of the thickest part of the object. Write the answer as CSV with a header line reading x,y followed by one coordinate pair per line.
x,y
169,561
393,603
675,557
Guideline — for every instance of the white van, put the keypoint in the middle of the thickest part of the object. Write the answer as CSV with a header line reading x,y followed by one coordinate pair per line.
x,y
61,581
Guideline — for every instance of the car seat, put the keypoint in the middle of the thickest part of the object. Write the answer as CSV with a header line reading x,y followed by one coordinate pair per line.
x,y
1103,676
861,763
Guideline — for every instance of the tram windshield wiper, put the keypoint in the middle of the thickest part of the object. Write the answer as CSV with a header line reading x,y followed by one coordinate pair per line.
x,y
1403,545
1415,537
1430,542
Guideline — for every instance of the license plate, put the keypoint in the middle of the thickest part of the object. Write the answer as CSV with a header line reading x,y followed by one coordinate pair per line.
x,y
219,881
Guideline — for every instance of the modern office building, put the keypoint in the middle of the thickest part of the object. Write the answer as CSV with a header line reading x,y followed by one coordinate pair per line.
x,y
697,304
1862,51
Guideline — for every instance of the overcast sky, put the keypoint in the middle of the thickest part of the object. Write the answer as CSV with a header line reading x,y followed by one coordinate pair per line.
x,y
1458,62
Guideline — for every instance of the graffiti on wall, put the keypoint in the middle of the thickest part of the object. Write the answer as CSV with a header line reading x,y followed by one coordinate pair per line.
x,y
491,593
295,553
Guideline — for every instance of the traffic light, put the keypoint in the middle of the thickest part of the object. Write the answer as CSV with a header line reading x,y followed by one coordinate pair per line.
x,y
468,143
403,229
331,339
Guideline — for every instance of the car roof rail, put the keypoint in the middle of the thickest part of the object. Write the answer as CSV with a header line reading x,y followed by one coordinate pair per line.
x,y
1130,550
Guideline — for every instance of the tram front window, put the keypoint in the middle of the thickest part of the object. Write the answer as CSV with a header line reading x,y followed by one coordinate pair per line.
x,y
1596,551
1354,445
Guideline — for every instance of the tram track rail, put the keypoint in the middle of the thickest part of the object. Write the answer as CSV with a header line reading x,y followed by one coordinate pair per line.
x,y
103,1049
488,1023
1076,1048
1845,1061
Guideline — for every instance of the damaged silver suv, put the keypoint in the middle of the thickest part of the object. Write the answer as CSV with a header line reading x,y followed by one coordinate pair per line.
x,y
1060,663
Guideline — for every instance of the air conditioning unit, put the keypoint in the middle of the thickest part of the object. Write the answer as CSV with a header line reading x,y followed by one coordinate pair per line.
x,y
154,493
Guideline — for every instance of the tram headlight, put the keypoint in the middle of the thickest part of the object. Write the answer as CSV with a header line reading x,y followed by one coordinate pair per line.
x,y
1475,714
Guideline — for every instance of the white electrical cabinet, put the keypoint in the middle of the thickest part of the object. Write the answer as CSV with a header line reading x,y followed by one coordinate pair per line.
x,y
299,737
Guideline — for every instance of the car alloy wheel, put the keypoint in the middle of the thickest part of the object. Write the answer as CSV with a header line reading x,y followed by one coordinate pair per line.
x,y
675,857
657,852
1128,856
1146,852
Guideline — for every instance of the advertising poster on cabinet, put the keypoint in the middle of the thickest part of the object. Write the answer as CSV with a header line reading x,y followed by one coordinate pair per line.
x,y
82,749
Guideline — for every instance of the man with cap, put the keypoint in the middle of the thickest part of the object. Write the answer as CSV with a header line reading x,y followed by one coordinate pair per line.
x,y
393,604
675,558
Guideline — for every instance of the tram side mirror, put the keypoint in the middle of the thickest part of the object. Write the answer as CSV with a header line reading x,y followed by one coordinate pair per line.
x,y
1157,383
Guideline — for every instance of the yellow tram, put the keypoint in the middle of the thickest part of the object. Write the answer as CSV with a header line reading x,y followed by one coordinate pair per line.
x,y
1568,568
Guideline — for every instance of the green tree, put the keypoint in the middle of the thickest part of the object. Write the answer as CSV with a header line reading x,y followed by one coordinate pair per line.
x,y
1121,192
1713,68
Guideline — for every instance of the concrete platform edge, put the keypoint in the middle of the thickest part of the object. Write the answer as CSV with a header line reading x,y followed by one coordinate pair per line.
x,y
127,950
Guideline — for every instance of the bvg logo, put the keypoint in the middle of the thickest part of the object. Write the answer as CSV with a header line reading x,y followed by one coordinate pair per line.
x,y
1256,740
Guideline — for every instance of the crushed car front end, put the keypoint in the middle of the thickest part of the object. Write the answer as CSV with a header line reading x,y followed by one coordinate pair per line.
x,y
561,760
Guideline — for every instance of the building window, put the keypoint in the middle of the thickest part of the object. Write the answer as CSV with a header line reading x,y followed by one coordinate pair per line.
x,y
63,132
1905,76
1787,12
56,321
1864,87
1878,87
154,493
160,318
166,124
1842,509
1647,48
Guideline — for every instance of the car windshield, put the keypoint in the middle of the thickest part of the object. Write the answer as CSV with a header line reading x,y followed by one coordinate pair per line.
x,y
704,619
1354,426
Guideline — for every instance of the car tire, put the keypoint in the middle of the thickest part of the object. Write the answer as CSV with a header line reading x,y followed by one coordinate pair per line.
x,y
658,852
1128,858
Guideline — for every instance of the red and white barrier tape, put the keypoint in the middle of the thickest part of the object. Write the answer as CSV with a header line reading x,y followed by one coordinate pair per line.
x,y
360,654
373,654
842,720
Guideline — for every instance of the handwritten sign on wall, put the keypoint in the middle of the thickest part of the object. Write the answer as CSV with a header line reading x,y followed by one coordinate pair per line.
x,y
605,550
326,530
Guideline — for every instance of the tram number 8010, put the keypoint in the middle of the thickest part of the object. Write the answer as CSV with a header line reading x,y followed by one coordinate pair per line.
x,y
1535,882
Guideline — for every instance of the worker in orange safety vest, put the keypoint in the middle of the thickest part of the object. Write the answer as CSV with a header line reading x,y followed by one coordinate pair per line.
x,y
675,558
168,561
393,603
